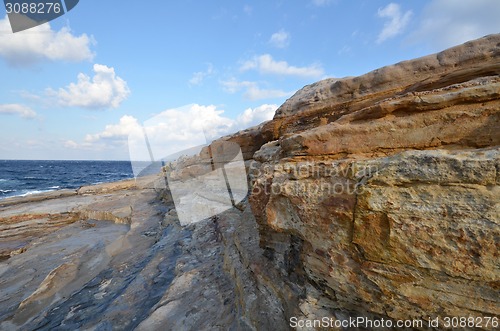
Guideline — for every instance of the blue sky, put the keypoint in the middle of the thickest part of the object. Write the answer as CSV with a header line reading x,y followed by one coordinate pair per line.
x,y
76,87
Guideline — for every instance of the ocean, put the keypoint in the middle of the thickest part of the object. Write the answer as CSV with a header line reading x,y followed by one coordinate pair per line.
x,y
22,177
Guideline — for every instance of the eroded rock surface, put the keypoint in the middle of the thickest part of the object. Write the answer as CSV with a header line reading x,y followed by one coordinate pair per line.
x,y
385,187
374,196
114,256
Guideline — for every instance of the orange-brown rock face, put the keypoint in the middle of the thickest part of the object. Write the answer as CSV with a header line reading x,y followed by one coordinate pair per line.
x,y
384,188
375,196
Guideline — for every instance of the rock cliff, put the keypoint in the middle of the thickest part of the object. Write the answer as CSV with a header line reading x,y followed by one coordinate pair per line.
x,y
374,196
384,188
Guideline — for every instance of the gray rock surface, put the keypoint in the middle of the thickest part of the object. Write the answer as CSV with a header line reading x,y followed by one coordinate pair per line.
x,y
114,256
374,196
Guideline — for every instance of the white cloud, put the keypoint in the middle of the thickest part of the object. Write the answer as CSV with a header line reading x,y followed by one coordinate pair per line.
x,y
446,23
254,116
128,124
112,138
168,132
267,65
172,130
199,76
396,23
42,43
252,90
104,90
16,109
280,39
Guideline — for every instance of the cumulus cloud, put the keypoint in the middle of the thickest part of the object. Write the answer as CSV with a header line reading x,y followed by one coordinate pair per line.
x,y
267,65
199,76
112,138
252,90
168,132
16,109
280,39
254,116
396,21
42,43
126,125
104,90
172,130
446,23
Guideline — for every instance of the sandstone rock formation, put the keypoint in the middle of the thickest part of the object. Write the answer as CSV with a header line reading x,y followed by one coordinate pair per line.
x,y
114,256
374,196
386,187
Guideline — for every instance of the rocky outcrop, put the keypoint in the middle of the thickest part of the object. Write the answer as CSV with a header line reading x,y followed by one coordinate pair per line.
x,y
374,196
385,188
409,236
377,196
115,256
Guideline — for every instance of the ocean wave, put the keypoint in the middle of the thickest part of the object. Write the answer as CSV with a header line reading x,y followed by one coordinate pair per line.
x,y
6,191
32,177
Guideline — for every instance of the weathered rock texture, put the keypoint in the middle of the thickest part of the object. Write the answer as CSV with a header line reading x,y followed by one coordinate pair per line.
x,y
114,256
384,188
375,196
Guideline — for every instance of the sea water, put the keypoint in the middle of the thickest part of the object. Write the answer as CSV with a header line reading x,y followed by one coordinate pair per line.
x,y
23,177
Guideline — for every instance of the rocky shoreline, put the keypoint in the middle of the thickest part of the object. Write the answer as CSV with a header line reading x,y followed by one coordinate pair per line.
x,y
374,196
114,255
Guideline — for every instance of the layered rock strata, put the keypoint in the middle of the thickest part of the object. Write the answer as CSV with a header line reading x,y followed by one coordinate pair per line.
x,y
384,188
374,196
114,256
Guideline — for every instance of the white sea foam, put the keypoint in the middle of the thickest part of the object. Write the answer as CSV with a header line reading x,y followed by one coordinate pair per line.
x,y
34,192
6,191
